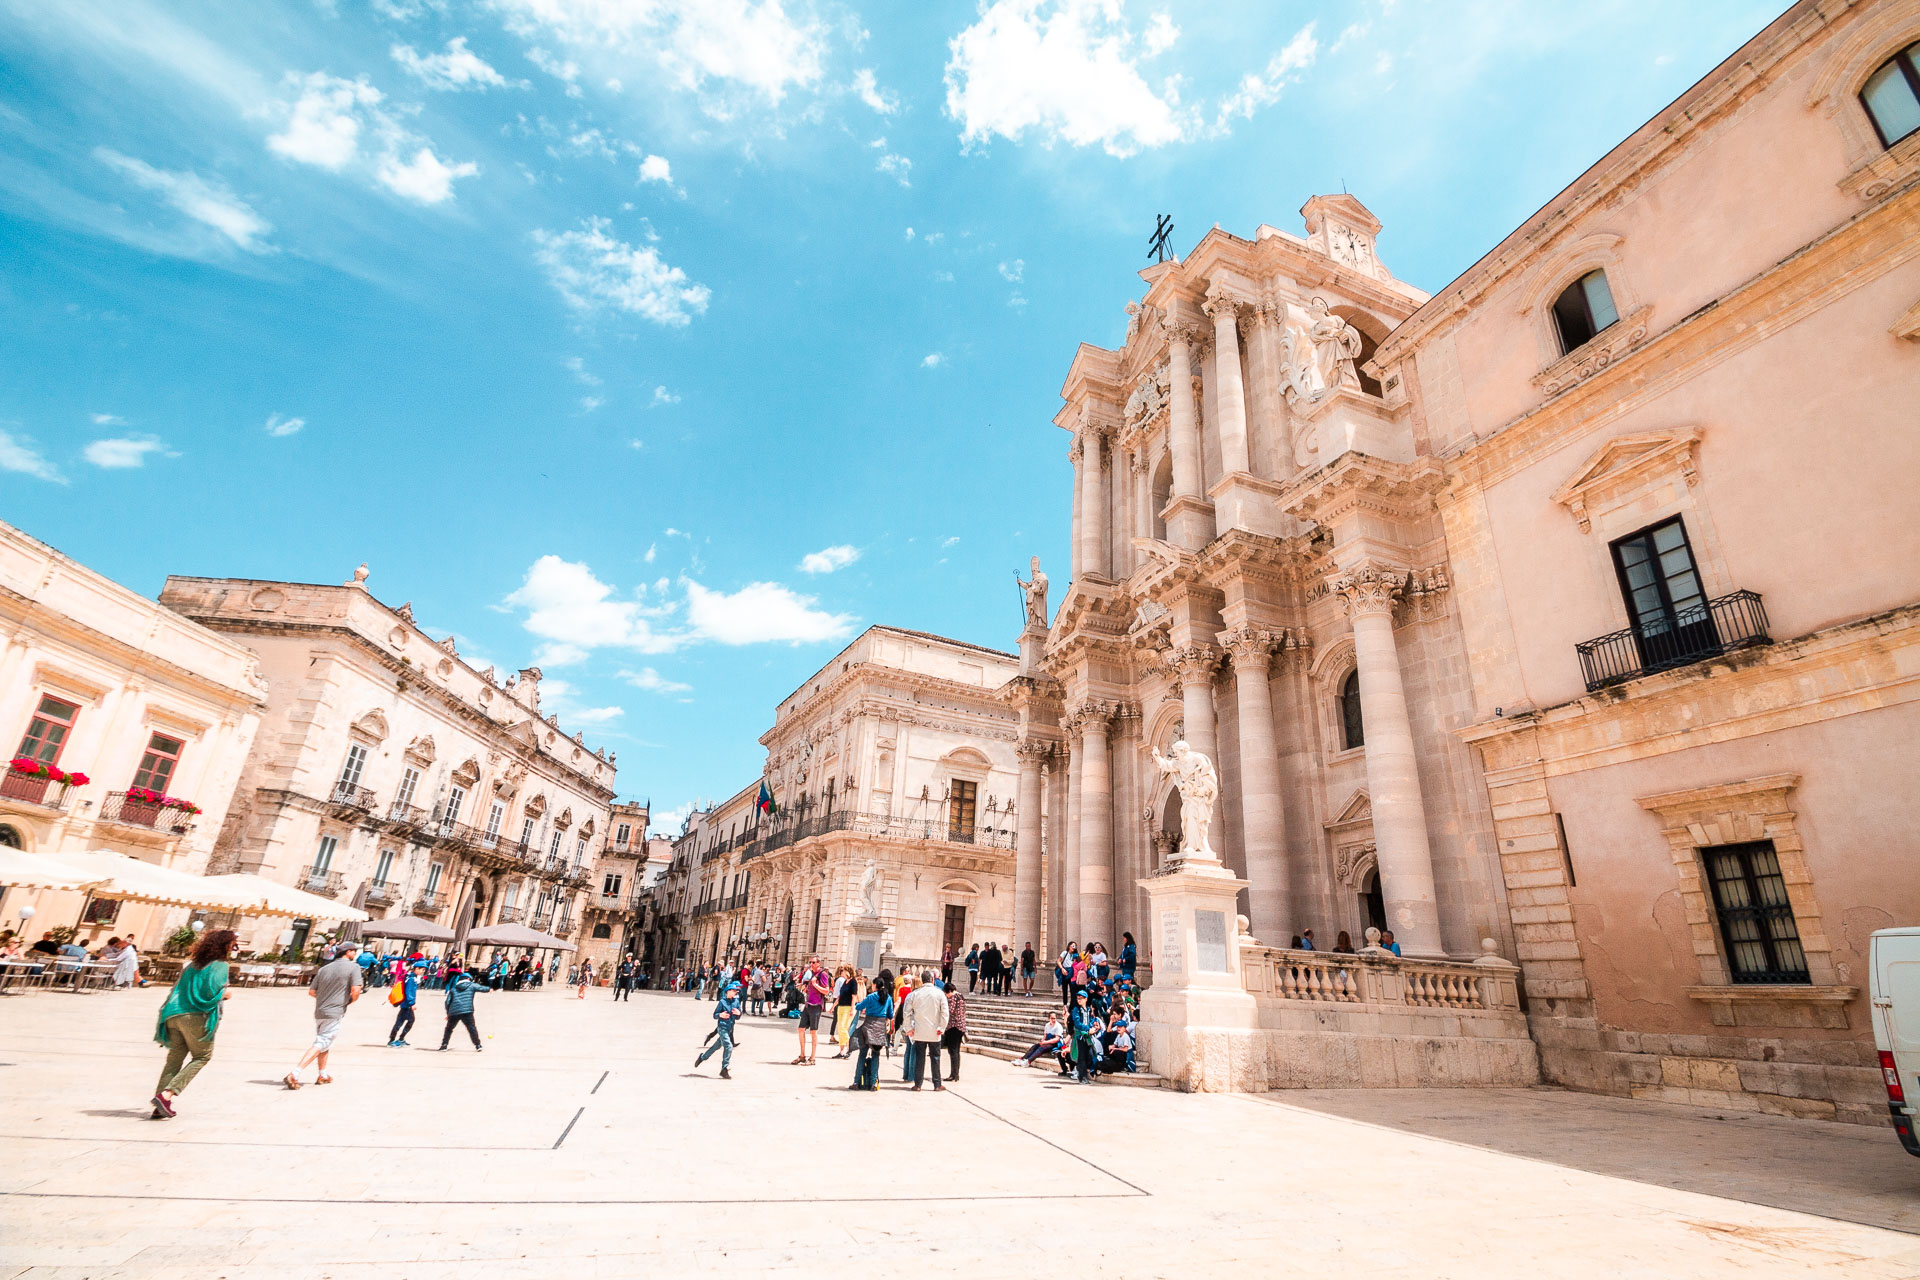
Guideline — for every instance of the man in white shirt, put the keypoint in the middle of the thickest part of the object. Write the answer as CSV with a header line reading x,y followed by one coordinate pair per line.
x,y
925,1021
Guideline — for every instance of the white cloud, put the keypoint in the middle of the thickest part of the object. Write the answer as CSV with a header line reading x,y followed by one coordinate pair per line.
x,y
933,360
595,715
656,169
108,420
425,179
205,201
1160,34
761,612
636,443
827,559
590,403
566,72
653,549
566,604
593,271
909,233
1017,300
558,655
669,821
933,238
1062,69
750,43
881,100
652,681
662,396
577,366
327,124
899,168
121,452
1012,271
943,277
18,455
279,426
1260,89
457,68
950,542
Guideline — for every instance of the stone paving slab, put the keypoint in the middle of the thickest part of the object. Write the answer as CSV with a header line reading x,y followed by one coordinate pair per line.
x,y
581,1144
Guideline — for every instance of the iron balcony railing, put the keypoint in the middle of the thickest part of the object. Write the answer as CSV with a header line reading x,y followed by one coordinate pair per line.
x,y
1689,635
28,789
877,826
430,904
327,884
407,815
382,893
349,796
511,915
130,812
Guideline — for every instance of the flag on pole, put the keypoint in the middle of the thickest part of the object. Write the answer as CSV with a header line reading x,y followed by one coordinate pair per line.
x,y
765,801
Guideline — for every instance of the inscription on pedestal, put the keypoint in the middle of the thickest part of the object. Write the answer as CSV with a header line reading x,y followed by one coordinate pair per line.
x,y
865,964
1169,957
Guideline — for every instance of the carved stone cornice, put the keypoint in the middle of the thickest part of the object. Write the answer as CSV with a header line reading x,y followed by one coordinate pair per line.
x,y
1240,555
1363,483
1596,354
1368,588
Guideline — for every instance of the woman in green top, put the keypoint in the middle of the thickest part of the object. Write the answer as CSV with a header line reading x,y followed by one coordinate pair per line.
x,y
190,1017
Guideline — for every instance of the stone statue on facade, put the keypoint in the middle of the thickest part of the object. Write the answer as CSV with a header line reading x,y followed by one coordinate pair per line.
x,y
870,891
1336,346
1034,592
1199,786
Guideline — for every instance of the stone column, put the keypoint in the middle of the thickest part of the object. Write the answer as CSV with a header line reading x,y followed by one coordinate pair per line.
x,y
1196,664
1094,504
1262,822
1142,503
1070,861
1095,885
1076,454
1265,442
1393,780
1027,863
1189,522
1229,390
1056,847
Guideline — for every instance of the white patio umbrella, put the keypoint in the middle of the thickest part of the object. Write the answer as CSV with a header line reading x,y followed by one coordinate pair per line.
x,y
115,875
271,898
22,870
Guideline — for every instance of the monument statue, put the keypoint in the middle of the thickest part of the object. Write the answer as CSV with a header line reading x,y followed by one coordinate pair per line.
x,y
1035,594
1336,346
1199,787
870,891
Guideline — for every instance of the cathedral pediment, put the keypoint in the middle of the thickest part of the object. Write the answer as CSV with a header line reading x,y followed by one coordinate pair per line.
x,y
1627,466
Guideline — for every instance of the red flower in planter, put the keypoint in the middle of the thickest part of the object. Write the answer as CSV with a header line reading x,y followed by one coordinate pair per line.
x,y
78,779
56,773
27,765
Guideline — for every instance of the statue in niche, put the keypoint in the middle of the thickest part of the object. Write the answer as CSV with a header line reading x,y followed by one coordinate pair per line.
x,y
1336,346
1034,594
1199,786
870,891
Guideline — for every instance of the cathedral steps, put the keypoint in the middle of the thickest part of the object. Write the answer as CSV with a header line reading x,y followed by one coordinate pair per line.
x,y
1005,1027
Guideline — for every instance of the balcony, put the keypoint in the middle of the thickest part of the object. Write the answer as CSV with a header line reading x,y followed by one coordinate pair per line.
x,y
130,811
327,884
382,893
875,826
511,915
562,930
429,905
1694,634
24,788
348,796
407,815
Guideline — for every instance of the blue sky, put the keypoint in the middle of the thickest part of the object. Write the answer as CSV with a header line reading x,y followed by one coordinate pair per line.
x,y
668,343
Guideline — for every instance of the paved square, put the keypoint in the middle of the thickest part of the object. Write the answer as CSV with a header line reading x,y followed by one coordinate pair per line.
x,y
580,1143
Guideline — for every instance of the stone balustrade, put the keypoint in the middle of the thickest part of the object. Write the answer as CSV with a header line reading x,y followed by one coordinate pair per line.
x,y
1378,977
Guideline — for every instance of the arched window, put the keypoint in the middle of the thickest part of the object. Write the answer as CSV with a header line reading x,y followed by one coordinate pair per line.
x,y
9,837
1892,96
603,931
1583,309
1353,730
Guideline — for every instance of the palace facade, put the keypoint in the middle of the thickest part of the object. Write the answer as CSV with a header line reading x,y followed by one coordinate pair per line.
x,y
1571,611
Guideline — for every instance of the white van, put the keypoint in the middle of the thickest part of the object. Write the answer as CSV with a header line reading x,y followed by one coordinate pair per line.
x,y
1894,955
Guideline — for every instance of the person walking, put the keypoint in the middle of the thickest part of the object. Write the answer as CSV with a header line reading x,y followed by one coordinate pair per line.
x,y
726,1013
813,994
462,987
623,980
336,984
1027,962
1083,1026
875,1015
925,1022
190,1017
845,989
955,1033
946,964
973,969
403,1020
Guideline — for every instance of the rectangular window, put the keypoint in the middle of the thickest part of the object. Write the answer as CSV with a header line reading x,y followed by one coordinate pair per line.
x,y
157,765
610,887
1672,624
815,944
495,817
47,732
961,805
451,815
579,853
323,859
355,765
409,781
383,870
553,849
526,832
622,833
1756,919
434,873
511,896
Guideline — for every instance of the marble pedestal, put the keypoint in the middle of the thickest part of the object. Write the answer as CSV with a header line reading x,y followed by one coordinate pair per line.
x,y
1197,1021
863,945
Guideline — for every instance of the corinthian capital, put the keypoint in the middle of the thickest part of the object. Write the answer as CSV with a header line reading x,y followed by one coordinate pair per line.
x,y
1076,451
1221,301
1195,662
1368,588
1180,331
1091,716
1033,751
1251,647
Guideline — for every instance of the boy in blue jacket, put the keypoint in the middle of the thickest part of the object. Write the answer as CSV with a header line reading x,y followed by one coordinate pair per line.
x,y
403,1018
461,989
726,1012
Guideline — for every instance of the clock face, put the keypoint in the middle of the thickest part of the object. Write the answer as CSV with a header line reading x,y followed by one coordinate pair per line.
x,y
1348,245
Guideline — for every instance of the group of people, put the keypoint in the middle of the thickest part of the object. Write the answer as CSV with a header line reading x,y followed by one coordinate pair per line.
x,y
1089,970
1098,1033
1343,943
66,958
994,964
